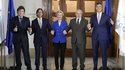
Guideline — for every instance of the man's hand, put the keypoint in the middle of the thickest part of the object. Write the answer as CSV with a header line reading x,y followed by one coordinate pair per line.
x,y
30,30
89,26
64,32
112,22
52,32
15,29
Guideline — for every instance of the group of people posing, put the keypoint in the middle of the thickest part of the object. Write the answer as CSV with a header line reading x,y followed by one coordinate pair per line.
x,y
99,22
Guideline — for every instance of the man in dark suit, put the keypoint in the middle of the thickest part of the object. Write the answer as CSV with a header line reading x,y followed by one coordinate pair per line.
x,y
100,35
78,26
19,26
40,27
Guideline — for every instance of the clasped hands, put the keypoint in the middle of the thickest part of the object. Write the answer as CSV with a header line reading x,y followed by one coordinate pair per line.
x,y
64,32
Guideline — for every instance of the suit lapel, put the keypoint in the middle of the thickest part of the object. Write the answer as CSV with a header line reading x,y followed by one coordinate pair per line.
x,y
17,21
57,23
96,19
23,22
75,22
101,20
43,21
81,22
37,23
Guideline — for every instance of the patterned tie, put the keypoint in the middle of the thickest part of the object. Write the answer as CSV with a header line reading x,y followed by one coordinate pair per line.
x,y
98,18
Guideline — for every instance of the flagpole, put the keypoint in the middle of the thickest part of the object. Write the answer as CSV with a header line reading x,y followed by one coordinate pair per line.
x,y
4,55
117,55
4,44
4,58
3,66
1,56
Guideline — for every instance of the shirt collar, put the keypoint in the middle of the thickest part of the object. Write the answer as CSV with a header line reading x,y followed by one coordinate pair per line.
x,y
78,18
99,13
20,16
39,18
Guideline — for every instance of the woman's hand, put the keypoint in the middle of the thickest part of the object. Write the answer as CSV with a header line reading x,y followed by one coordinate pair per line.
x,y
64,32
52,32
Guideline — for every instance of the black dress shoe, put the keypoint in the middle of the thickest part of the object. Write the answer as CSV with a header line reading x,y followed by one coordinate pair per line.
x,y
37,68
61,69
74,69
18,68
95,69
45,68
101,68
29,68
81,69
56,69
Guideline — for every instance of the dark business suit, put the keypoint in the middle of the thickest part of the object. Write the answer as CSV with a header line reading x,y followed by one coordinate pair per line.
x,y
20,40
78,41
100,38
40,40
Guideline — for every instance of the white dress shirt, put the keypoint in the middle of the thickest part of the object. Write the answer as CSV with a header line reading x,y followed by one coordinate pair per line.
x,y
40,22
79,20
59,23
99,14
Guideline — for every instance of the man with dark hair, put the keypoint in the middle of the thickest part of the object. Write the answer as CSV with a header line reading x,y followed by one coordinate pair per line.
x,y
20,7
100,38
19,26
40,27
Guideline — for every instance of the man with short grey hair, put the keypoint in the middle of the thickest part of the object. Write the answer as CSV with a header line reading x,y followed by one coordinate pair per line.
x,y
78,26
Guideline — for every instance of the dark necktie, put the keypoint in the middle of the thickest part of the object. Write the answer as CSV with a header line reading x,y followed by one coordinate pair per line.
x,y
77,23
20,20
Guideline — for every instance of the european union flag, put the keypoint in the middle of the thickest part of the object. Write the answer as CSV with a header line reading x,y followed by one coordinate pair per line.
x,y
109,13
9,35
108,8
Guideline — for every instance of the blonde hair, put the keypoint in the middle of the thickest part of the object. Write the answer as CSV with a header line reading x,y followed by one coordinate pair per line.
x,y
57,13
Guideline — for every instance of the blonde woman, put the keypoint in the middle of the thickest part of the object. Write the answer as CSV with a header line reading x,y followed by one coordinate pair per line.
x,y
59,39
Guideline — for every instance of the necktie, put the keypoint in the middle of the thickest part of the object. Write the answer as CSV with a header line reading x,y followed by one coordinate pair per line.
x,y
40,23
77,23
20,20
99,17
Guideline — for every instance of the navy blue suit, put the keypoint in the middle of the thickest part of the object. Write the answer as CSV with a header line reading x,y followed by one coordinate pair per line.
x,y
100,37
20,40
40,40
